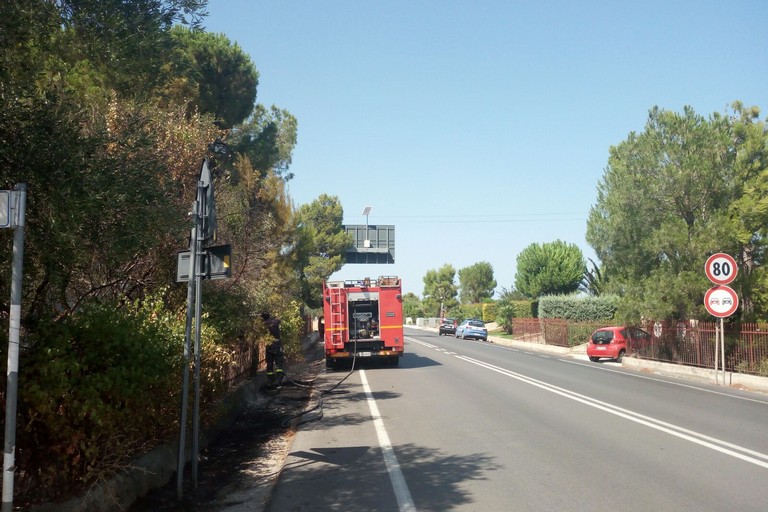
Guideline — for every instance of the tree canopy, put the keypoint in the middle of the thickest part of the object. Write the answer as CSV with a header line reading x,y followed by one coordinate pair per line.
x,y
440,290
684,188
322,243
95,116
214,75
549,269
476,283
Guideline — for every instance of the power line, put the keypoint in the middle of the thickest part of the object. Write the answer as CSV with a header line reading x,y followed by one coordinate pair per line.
x,y
471,219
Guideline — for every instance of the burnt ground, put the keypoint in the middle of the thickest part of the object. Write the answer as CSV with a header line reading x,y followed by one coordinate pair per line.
x,y
237,470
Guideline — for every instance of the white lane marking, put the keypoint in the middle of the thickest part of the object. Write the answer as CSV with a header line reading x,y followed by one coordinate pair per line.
x,y
719,445
605,366
403,495
600,367
429,345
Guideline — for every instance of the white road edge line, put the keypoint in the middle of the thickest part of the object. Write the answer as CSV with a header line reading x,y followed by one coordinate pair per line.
x,y
688,435
403,495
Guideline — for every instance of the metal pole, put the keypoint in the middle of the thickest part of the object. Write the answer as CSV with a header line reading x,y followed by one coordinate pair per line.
x,y
196,412
722,347
187,345
717,353
9,452
198,329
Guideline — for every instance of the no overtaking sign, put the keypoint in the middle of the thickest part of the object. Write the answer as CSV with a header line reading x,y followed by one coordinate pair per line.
x,y
721,301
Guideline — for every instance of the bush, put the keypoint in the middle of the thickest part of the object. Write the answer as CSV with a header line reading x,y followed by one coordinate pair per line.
x,y
508,310
578,308
526,308
489,311
291,329
760,369
471,311
579,332
94,389
505,314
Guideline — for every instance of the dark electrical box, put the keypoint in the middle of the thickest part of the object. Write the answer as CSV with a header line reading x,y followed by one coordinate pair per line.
x,y
216,263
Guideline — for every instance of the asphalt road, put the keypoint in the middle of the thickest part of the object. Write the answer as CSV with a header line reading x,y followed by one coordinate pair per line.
x,y
464,425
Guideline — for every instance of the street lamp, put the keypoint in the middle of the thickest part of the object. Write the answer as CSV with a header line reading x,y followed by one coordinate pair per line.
x,y
366,212
219,147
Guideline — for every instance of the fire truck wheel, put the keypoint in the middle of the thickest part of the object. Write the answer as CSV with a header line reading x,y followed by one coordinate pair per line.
x,y
330,363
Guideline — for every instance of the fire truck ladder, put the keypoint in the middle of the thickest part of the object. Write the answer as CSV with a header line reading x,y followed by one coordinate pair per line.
x,y
337,317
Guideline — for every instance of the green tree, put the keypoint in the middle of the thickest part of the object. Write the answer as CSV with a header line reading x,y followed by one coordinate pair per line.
x,y
261,225
322,242
214,74
26,33
549,268
412,306
476,283
593,283
122,45
749,209
267,139
661,209
440,290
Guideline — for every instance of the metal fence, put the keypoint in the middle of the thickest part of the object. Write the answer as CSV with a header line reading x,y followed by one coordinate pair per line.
x,y
246,360
553,331
693,343
689,342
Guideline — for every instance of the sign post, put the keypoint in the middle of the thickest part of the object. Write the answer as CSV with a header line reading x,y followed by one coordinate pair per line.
x,y
720,300
202,228
12,214
190,269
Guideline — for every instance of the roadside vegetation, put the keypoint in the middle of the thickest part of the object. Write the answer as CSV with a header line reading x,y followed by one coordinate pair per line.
x,y
107,110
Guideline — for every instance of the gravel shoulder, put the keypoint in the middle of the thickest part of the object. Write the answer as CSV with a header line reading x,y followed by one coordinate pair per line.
x,y
237,470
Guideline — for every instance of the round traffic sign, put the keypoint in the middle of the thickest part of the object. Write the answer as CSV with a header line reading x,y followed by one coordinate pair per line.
x,y
721,301
721,268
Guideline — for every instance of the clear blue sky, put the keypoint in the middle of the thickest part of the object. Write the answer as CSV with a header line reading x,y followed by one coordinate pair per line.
x,y
480,127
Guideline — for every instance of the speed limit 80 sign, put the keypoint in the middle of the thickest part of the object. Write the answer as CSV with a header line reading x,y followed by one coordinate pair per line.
x,y
721,268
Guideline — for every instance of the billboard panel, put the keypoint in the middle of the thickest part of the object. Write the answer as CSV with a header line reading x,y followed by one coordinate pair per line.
x,y
373,243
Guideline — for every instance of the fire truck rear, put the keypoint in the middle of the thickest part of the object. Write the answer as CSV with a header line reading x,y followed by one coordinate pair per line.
x,y
363,319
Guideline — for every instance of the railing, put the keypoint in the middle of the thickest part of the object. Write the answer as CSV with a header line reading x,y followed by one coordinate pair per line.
x,y
693,343
246,359
553,331
690,343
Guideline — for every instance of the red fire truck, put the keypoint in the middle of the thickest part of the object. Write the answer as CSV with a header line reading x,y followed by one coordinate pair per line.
x,y
363,319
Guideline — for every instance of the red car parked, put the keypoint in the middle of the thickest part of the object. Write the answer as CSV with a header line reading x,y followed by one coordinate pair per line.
x,y
611,342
